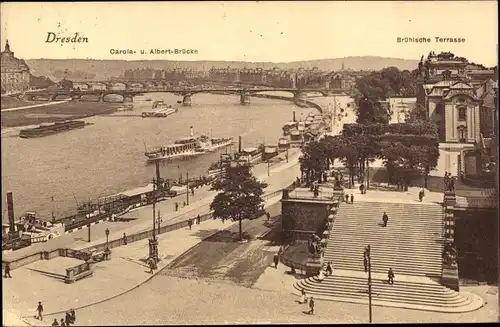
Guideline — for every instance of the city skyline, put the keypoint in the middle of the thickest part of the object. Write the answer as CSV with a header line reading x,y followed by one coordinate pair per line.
x,y
252,32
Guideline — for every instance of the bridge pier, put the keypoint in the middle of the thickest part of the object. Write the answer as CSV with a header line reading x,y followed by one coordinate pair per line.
x,y
186,100
244,98
76,97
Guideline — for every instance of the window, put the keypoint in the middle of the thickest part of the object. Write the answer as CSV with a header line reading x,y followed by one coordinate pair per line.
x,y
462,113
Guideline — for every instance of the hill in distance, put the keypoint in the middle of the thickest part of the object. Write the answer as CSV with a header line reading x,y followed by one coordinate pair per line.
x,y
106,69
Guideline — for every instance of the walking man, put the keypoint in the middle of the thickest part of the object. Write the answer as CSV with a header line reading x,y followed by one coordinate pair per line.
x,y
268,216
365,262
329,269
352,198
421,195
192,191
67,318
198,219
347,198
385,219
190,223
362,188
151,265
311,306
276,260
39,309
124,239
7,271
390,275
73,315
176,206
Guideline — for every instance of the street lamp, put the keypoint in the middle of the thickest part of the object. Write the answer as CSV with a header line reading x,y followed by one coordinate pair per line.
x,y
106,252
159,220
367,255
268,164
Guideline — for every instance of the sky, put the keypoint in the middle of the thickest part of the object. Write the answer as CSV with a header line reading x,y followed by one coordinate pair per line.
x,y
252,31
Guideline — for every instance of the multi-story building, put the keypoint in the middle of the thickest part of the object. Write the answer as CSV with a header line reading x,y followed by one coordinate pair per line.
x,y
449,93
15,72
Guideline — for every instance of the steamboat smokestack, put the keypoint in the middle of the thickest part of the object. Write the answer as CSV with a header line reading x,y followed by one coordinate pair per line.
x,y
191,131
10,213
239,144
294,116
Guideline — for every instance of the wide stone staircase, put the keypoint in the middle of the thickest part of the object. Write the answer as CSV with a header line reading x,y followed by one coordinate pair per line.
x,y
411,245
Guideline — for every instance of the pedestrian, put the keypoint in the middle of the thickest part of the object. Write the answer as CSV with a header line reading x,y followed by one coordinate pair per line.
x,y
7,271
192,191
73,315
311,306
365,263
421,195
347,198
268,216
67,318
183,204
124,239
352,198
276,260
385,219
329,269
190,223
362,188
198,219
303,298
55,322
390,275
62,322
176,206
39,309
151,265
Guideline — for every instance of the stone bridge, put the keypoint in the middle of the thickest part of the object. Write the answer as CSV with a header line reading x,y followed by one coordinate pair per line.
x,y
133,89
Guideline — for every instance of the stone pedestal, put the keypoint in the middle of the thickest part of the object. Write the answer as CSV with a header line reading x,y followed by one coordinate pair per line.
x,y
107,254
449,277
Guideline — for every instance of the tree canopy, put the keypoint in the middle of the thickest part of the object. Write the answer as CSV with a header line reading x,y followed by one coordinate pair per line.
x,y
408,149
240,194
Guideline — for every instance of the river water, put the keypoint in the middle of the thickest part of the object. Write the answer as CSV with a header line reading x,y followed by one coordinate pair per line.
x,y
108,157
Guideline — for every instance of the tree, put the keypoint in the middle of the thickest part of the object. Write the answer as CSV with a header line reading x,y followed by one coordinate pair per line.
x,y
371,111
416,114
240,194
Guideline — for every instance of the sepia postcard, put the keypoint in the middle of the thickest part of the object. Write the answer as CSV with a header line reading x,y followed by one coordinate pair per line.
x,y
258,162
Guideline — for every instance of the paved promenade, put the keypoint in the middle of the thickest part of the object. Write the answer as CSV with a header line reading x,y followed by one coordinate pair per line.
x,y
42,280
199,204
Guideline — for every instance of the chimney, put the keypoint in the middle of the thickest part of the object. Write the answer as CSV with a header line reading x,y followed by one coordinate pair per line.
x,y
10,213
239,144
191,131
294,116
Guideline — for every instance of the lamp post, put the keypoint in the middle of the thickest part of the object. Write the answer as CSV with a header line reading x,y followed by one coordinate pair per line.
x,y
286,154
187,188
159,220
106,252
368,258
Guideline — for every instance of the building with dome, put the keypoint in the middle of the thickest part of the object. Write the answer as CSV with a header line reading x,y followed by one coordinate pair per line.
x,y
15,72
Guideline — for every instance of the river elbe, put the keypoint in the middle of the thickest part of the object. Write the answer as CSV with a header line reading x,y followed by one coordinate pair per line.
x,y
108,157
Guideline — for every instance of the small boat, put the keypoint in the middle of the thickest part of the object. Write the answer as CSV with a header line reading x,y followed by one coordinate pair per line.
x,y
250,155
160,109
127,107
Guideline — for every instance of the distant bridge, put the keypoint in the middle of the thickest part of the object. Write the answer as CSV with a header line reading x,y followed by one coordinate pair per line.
x,y
129,92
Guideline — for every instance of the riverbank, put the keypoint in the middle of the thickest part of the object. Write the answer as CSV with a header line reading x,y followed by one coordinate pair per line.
x,y
38,112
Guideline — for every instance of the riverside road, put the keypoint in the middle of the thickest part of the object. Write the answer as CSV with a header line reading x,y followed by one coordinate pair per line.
x,y
222,257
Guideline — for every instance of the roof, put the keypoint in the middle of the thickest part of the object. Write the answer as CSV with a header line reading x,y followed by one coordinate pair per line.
x,y
249,149
461,85
138,190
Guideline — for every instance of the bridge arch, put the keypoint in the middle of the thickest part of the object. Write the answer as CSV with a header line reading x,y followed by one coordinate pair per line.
x,y
113,97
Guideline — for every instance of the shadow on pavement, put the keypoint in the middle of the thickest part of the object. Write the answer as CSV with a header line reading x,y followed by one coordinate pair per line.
x,y
49,274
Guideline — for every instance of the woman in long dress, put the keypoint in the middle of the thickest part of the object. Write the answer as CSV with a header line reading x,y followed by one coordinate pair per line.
x,y
303,297
321,275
